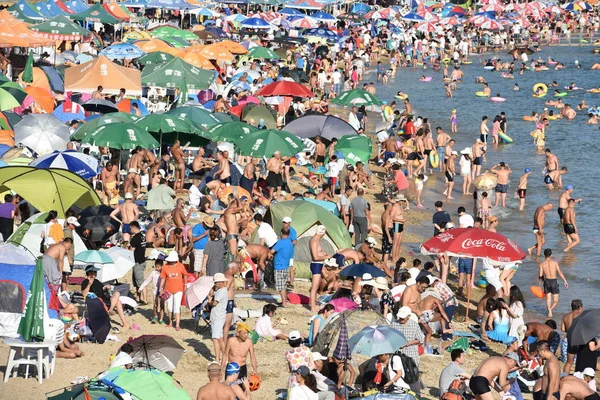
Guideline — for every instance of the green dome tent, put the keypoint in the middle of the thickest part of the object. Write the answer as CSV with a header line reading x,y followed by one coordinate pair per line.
x,y
306,216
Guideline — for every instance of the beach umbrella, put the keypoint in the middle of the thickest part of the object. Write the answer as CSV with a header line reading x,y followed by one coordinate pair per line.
x,y
342,304
69,111
323,33
229,131
490,24
584,328
554,9
167,31
376,340
11,95
358,270
81,164
159,351
120,135
486,181
263,53
342,348
291,12
93,257
323,16
122,50
285,88
100,106
449,21
92,125
493,7
356,97
96,224
198,60
305,23
27,75
31,326
233,47
126,106
255,23
174,72
146,383
513,7
264,143
325,126
155,57
413,17
360,8
169,124
43,133
41,96
426,27
121,262
197,291
257,112
475,243
225,117
197,115
61,188
353,17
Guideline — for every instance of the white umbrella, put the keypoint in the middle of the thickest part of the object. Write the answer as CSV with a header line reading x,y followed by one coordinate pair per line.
x,y
123,262
43,133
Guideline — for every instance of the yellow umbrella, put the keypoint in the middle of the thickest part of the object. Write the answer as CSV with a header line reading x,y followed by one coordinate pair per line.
x,y
486,181
136,35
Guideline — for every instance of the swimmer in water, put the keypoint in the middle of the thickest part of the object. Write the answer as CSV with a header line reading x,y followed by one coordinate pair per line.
x,y
516,87
593,119
583,105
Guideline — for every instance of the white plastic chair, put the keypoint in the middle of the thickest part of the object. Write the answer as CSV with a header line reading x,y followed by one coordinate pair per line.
x,y
54,330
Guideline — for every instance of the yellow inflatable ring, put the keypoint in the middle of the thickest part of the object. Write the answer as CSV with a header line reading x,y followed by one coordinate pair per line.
x,y
540,86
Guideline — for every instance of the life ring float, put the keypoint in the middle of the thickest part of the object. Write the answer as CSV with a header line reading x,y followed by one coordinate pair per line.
x,y
594,111
594,91
401,96
552,117
505,137
498,99
489,67
561,94
537,292
447,60
419,64
467,62
481,94
573,88
552,62
426,79
482,282
447,80
542,87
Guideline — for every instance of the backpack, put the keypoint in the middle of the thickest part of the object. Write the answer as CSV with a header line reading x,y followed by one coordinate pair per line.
x,y
411,370
456,390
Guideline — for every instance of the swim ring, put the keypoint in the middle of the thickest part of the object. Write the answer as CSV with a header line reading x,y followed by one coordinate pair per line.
x,y
467,62
593,110
482,282
529,118
552,117
552,63
401,96
446,60
480,94
489,67
426,79
573,88
594,91
419,64
561,94
447,79
498,99
540,86
505,137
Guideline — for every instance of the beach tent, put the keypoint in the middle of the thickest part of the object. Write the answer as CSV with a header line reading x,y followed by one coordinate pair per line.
x,y
15,33
86,78
174,72
95,390
61,28
23,11
146,383
96,13
16,275
77,6
54,78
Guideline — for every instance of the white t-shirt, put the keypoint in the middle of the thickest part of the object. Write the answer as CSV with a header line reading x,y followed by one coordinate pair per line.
x,y
397,292
333,169
266,232
466,221
302,393
396,363
121,360
195,196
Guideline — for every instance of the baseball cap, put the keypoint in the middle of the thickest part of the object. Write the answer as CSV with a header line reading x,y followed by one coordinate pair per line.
x,y
72,221
403,312
569,187
286,220
321,230
294,335
316,356
511,340
218,277
513,356
371,240
303,371
128,196
588,371
527,170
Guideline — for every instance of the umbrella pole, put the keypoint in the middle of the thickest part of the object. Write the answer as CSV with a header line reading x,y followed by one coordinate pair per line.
x,y
469,288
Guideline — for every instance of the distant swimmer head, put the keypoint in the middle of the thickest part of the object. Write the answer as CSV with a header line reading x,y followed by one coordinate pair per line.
x,y
527,170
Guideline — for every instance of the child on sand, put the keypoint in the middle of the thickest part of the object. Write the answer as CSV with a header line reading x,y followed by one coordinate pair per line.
x,y
158,310
420,183
453,119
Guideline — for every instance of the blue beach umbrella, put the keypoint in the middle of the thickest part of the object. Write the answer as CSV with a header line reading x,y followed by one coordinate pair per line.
x,y
361,269
219,33
291,11
122,50
372,341
412,16
255,23
81,164
323,16
324,33
360,8
70,113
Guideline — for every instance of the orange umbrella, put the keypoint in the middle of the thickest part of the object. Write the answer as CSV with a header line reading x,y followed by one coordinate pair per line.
x,y
216,52
197,60
230,189
152,45
39,79
7,136
233,47
41,96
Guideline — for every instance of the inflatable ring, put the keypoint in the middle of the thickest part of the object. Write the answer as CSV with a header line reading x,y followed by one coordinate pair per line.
x,y
529,118
540,86
467,62
594,91
480,94
402,96
426,79
561,94
447,60
498,99
552,62
552,117
447,80
489,67
593,110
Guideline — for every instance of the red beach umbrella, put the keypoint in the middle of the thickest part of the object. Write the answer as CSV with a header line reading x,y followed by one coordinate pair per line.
x,y
284,88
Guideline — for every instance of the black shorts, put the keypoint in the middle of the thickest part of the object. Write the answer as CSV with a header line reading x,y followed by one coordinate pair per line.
x,y
414,156
479,385
226,180
501,188
274,180
548,180
569,229
593,396
450,176
551,286
386,246
561,212
320,159
427,152
230,306
522,193
478,161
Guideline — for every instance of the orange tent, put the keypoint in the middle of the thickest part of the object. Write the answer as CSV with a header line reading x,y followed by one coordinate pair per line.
x,y
14,33
233,47
197,60
39,79
41,96
86,78
113,8
216,52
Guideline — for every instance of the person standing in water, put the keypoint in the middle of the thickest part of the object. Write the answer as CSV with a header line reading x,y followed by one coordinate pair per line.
x,y
539,222
502,172
570,226
522,188
548,270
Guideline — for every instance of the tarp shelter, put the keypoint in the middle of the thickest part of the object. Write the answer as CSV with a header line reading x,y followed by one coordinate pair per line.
x,y
15,33
96,13
174,72
23,11
61,28
78,6
306,216
86,78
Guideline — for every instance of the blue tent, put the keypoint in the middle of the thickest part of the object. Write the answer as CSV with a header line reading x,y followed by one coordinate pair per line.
x,y
67,117
360,8
169,4
15,280
135,3
27,9
54,78
78,6
50,8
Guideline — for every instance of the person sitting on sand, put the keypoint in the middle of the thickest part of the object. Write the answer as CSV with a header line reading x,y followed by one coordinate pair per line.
x,y
123,358
264,326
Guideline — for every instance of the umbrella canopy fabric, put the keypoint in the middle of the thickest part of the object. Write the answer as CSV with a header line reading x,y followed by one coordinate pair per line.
x,y
27,75
325,126
69,111
361,269
11,95
215,52
285,88
96,13
156,57
257,112
122,262
198,60
262,52
323,33
355,148
86,78
197,115
95,223
342,349
100,106
31,326
356,97
61,28
170,31
584,328
81,164
122,50
62,189
169,124
198,291
146,383
120,135
43,133
159,351
485,181
475,243
94,257
172,73
41,96
255,23
92,125
229,131
376,340
265,143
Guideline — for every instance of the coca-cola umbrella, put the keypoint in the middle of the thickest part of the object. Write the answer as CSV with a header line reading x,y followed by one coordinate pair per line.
x,y
285,88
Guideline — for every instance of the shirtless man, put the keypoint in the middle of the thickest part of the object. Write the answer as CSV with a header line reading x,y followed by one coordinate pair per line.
x,y
420,150
215,390
398,218
233,268
554,178
486,90
238,348
110,184
129,212
551,161
320,151
563,201
575,388
539,223
502,172
135,164
97,94
391,148
317,256
224,172
412,296
450,174
441,141
429,147
155,234
128,182
151,163
53,261
547,272
220,104
274,178
199,161
177,154
551,378
522,188
570,226
432,311
249,175
542,332
485,375
567,321
448,152
258,254
351,255
478,153
232,224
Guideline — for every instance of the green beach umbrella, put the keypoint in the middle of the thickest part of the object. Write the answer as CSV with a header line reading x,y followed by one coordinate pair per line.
x,y
355,148
61,27
156,57
258,112
183,96
27,76
176,42
11,95
120,135
31,326
165,32
264,143
160,125
224,117
94,124
146,383
200,117
356,97
229,132
172,73
262,52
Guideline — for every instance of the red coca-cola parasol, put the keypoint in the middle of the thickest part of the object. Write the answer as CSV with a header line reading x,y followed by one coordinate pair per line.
x,y
474,243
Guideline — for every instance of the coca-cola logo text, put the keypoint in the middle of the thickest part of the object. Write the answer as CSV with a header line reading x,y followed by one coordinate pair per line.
x,y
491,243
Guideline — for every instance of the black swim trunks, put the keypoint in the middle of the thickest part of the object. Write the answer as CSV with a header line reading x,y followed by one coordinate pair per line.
x,y
593,396
274,180
320,159
501,188
522,193
561,212
449,176
551,286
569,229
386,246
548,180
478,161
479,385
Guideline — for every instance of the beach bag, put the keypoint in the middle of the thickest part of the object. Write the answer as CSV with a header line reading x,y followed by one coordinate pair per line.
x,y
165,295
411,370
456,390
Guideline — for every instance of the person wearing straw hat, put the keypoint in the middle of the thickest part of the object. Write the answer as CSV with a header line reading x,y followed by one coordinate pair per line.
x,y
218,314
